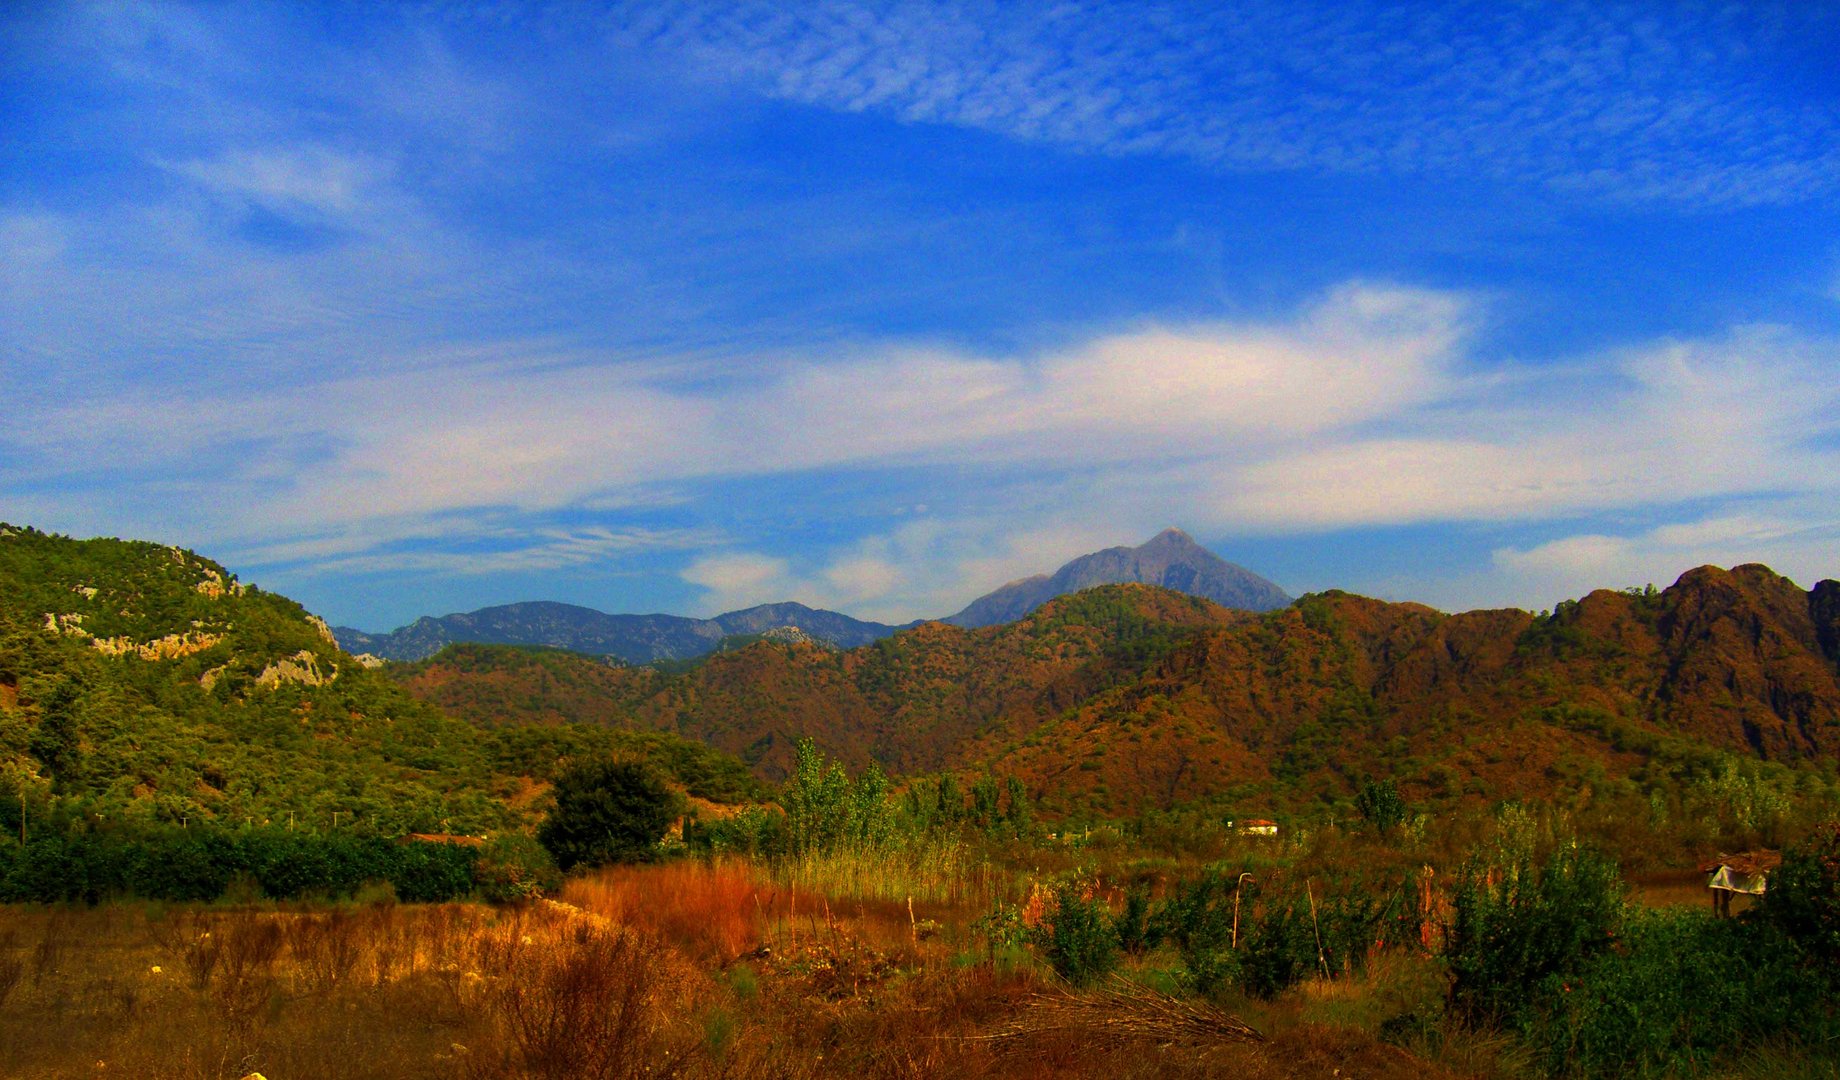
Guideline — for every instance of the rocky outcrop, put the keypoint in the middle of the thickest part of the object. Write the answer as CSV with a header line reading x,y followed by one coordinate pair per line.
x,y
170,647
303,667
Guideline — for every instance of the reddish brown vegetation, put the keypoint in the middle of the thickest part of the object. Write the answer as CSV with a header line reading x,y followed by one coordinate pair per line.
x,y
1494,702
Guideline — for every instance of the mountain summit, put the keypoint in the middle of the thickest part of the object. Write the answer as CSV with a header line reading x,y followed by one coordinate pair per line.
x,y
1170,559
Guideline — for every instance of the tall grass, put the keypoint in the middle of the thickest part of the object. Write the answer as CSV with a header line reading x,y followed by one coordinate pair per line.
x,y
930,868
714,911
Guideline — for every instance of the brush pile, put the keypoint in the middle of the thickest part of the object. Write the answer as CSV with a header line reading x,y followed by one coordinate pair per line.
x,y
1124,1014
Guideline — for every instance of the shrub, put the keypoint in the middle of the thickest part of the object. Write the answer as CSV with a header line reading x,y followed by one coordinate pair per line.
x,y
826,810
1803,900
1198,918
1136,932
1077,936
512,867
587,1007
1379,804
1681,989
1519,930
606,812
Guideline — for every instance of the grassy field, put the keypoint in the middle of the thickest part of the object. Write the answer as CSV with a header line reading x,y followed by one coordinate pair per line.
x,y
685,969
822,965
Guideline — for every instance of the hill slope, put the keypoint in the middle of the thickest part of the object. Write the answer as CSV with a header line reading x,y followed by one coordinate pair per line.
x,y
142,682
636,639
1170,559
1128,696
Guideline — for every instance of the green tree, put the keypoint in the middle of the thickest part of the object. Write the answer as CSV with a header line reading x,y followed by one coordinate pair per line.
x,y
608,811
57,741
1804,895
1380,805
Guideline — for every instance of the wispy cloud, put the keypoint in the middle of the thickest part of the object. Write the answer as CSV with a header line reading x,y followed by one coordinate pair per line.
x,y
1616,101
1364,409
315,178
1799,545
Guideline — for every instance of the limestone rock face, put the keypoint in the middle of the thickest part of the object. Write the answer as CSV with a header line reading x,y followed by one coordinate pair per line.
x,y
303,667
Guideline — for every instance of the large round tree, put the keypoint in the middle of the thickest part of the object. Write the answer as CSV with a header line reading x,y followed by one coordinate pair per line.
x,y
608,811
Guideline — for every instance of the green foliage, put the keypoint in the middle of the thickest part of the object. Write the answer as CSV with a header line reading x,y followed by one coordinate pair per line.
x,y
1681,991
826,811
200,864
1137,934
607,812
1803,901
756,832
544,751
1519,928
1379,804
1199,919
1077,935
513,867
1277,949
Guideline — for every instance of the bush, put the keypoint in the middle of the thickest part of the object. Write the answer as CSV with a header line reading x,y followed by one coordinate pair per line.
x,y
1198,918
606,812
1681,989
512,867
1803,900
1518,931
1379,804
1276,950
204,863
1137,934
1077,935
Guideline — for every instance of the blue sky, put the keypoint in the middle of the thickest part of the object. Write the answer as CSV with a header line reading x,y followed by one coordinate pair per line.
x,y
671,307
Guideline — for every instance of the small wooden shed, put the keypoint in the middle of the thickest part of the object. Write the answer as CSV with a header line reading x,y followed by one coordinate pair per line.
x,y
1746,872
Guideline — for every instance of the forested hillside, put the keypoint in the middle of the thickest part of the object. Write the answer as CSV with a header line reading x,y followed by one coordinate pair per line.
x,y
1126,697
144,684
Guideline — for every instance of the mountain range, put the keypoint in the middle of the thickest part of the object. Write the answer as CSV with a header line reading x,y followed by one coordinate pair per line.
x,y
1171,559
635,639
142,682
1130,696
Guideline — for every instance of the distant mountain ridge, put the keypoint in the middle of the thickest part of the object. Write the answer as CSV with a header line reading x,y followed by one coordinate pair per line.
x,y
1171,559
636,639
1128,696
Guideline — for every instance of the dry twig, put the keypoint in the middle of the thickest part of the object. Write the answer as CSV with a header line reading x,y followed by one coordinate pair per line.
x,y
1125,1013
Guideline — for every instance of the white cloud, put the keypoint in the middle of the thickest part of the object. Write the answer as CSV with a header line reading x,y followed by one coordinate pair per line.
x,y
928,568
291,178
1805,547
1675,422
738,579
1581,97
1364,409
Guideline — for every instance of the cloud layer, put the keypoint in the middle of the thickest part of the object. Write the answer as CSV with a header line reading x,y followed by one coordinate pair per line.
x,y
1615,100
699,291
1367,408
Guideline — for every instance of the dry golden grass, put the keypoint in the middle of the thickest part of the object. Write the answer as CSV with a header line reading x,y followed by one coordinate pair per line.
x,y
692,970
712,911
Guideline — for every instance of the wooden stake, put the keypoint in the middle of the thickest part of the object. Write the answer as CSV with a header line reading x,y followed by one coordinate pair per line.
x,y
1310,887
1236,887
